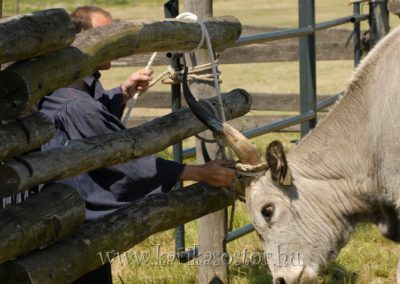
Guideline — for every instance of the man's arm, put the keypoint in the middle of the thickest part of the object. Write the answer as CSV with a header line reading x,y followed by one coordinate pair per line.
x,y
136,82
115,99
215,173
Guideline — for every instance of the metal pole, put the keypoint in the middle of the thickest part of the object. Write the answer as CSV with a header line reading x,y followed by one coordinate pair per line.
x,y
177,150
238,233
171,10
357,34
298,32
308,94
378,20
212,227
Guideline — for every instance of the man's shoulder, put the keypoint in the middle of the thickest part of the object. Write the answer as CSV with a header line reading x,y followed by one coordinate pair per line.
x,y
83,105
65,97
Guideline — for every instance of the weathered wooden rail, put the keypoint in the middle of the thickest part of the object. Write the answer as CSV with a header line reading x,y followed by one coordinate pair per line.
x,y
106,150
42,238
26,82
46,217
35,34
330,44
260,101
24,134
72,257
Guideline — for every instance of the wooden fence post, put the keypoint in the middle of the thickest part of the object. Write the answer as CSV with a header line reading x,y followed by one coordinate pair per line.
x,y
16,7
213,227
378,20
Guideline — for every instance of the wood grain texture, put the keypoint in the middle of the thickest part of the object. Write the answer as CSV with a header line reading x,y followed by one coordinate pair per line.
x,y
24,134
330,45
261,101
43,218
212,228
30,35
72,257
81,156
25,82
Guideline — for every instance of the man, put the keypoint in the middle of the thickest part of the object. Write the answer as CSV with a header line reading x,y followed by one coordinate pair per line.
x,y
85,109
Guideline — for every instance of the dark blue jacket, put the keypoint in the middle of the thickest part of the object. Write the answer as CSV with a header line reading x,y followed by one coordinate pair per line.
x,y
85,109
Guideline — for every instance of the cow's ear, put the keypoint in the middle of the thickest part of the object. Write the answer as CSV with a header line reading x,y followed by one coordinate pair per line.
x,y
277,163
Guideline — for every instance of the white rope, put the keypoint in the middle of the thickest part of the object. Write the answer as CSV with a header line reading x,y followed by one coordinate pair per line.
x,y
133,101
175,76
205,36
251,170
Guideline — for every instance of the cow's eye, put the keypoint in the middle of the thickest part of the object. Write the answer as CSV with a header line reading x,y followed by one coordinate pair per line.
x,y
267,212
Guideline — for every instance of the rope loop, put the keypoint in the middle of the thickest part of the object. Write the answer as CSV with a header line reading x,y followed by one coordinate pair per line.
x,y
204,37
194,74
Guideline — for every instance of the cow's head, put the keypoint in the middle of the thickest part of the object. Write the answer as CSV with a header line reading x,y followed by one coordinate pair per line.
x,y
294,246
295,243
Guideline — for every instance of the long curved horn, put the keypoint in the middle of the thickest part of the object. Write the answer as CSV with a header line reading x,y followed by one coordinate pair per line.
x,y
240,144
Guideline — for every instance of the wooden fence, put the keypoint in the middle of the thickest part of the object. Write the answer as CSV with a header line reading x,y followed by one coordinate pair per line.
x,y
44,239
332,44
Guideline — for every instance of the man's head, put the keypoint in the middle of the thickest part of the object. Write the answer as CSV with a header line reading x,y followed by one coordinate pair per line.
x,y
88,17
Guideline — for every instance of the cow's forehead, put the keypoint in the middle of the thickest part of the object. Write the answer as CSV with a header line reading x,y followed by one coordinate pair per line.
x,y
265,185
264,191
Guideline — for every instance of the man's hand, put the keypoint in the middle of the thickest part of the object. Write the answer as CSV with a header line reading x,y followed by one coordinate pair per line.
x,y
214,173
138,81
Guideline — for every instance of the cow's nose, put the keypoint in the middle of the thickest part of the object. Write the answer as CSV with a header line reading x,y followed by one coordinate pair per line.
x,y
280,280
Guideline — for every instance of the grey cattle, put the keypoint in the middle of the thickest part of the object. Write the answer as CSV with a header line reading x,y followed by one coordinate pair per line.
x,y
346,171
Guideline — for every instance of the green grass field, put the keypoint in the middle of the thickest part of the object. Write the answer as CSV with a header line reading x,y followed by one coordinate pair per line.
x,y
367,258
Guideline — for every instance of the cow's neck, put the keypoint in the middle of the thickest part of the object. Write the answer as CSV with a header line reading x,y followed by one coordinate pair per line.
x,y
341,156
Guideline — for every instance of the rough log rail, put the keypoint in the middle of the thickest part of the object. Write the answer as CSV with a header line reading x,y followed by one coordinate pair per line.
x,y
52,214
330,45
102,151
242,123
24,134
260,101
35,34
118,232
25,82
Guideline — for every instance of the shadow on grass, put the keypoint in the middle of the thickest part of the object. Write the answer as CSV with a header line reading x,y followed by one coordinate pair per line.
x,y
336,274
253,273
259,274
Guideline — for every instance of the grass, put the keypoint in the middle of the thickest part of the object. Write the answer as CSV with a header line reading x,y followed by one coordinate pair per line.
x,y
259,77
367,258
